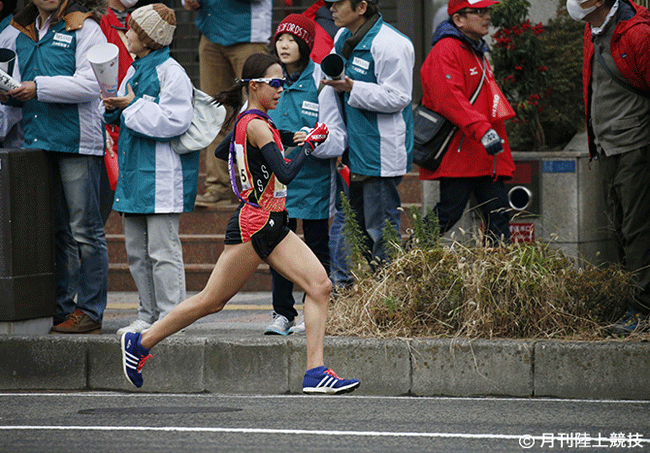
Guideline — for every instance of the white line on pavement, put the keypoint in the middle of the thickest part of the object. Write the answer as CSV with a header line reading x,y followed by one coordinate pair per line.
x,y
96,394
261,431
525,440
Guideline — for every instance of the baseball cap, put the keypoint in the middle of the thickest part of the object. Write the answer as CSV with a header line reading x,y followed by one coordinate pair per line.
x,y
372,2
456,5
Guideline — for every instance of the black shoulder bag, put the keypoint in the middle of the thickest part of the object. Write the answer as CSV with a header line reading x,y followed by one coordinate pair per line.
x,y
432,133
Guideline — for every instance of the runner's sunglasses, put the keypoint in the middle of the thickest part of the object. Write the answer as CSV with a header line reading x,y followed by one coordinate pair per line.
x,y
274,83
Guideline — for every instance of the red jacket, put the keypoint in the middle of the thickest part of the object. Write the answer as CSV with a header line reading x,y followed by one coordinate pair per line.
x,y
450,74
323,43
630,49
110,25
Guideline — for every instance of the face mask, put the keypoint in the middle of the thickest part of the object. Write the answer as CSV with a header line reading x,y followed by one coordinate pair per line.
x,y
128,3
576,11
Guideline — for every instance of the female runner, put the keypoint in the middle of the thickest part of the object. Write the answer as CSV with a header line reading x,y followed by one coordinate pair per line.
x,y
256,232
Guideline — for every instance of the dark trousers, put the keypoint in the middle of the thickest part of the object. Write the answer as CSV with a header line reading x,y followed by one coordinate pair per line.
x,y
492,201
316,233
626,184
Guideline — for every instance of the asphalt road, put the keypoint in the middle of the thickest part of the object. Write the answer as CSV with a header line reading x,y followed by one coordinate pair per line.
x,y
122,422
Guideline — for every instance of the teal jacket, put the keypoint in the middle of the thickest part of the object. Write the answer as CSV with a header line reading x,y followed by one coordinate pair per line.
x,y
153,178
378,109
64,117
228,22
309,195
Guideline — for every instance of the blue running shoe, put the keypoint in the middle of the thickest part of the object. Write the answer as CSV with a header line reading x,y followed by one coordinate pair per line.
x,y
325,381
134,355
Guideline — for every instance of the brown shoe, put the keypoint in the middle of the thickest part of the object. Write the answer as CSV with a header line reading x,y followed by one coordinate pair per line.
x,y
77,322
210,199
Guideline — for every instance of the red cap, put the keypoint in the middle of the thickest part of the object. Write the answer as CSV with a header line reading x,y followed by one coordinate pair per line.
x,y
456,5
299,26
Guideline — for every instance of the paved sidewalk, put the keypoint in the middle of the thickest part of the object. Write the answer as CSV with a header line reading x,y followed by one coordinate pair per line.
x,y
228,353
246,315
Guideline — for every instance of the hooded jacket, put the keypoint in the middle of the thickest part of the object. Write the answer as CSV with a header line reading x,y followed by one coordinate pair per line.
x,y
64,116
450,74
630,48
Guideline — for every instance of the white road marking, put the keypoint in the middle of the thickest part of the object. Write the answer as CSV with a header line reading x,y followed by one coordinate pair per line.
x,y
95,394
525,440
261,431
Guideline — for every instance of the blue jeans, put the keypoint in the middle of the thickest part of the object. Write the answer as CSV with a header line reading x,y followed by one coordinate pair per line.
x,y
80,253
375,200
339,268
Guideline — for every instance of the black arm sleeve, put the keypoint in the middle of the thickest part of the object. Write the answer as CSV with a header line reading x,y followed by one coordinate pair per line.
x,y
222,150
287,138
284,171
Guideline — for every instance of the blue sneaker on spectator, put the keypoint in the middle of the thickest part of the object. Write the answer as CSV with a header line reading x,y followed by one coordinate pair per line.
x,y
632,321
134,355
325,381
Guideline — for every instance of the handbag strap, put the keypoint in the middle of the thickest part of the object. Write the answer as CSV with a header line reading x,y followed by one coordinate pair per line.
x,y
624,83
480,84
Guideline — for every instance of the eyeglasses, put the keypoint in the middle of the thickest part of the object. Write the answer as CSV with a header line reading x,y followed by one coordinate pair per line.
x,y
480,12
274,83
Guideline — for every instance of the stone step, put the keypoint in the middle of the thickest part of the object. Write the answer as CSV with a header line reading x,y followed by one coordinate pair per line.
x,y
409,188
199,248
200,253
200,221
202,236
196,277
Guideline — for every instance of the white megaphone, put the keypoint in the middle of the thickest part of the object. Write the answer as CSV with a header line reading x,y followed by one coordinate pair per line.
x,y
333,66
7,59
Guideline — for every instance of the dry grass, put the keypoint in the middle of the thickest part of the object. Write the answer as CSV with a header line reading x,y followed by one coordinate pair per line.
x,y
513,291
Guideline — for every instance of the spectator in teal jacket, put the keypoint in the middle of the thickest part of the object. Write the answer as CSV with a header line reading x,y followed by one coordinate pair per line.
x,y
376,98
156,184
310,196
231,31
59,97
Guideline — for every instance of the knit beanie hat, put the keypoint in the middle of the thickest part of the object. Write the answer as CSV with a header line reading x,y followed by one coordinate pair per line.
x,y
300,26
154,24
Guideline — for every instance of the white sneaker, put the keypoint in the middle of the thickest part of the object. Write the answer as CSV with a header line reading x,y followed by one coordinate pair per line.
x,y
136,326
298,328
279,326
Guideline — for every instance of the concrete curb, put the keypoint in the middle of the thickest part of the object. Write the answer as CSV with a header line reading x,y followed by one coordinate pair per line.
x,y
275,365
